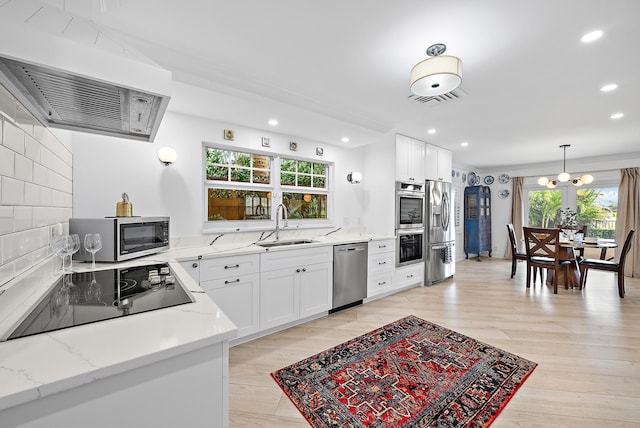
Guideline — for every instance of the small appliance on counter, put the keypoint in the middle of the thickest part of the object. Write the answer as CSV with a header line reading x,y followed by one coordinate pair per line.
x,y
124,208
123,238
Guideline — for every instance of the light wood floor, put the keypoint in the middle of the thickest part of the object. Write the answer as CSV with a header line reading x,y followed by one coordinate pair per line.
x,y
586,344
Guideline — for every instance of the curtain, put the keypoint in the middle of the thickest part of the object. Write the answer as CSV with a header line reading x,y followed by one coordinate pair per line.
x,y
516,213
628,218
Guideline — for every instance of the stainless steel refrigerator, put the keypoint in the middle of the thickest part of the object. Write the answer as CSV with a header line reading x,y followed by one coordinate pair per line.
x,y
439,247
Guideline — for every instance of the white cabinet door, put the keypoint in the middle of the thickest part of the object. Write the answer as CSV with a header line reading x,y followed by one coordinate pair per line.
x,y
437,163
316,292
193,268
409,160
239,299
444,165
279,297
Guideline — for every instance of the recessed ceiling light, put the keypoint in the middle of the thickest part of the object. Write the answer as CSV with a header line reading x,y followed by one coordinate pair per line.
x,y
609,87
273,122
431,131
590,37
345,139
617,116
464,144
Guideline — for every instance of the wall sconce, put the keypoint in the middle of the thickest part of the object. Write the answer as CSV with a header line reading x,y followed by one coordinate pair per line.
x,y
167,155
354,177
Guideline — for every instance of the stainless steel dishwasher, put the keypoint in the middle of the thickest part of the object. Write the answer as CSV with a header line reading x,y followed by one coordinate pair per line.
x,y
349,275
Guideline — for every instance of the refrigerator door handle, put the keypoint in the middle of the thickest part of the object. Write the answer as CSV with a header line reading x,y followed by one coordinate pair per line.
x,y
445,211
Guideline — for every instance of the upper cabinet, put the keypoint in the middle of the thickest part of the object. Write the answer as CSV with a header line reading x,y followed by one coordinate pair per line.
x,y
437,163
410,166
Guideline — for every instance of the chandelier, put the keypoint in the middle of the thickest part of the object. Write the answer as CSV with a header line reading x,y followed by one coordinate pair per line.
x,y
437,74
564,176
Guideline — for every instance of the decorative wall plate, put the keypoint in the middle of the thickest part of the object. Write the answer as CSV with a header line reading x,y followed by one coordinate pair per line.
x,y
464,177
457,173
453,172
504,193
471,178
488,180
503,178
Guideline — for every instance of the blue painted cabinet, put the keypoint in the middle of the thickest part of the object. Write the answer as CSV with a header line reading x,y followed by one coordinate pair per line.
x,y
477,220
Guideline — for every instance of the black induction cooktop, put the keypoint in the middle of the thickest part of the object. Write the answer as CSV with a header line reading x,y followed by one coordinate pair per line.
x,y
87,297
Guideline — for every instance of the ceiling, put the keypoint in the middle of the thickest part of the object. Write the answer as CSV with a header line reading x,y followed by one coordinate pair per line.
x,y
328,69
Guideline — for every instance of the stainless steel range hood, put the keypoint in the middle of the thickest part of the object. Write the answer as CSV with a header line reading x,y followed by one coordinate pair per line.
x,y
79,87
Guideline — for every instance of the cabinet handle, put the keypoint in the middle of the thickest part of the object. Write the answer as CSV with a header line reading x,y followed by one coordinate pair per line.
x,y
382,246
231,266
304,269
382,263
409,276
232,282
298,270
195,265
382,283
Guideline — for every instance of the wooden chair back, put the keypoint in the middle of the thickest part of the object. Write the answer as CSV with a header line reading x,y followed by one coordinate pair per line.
x,y
542,242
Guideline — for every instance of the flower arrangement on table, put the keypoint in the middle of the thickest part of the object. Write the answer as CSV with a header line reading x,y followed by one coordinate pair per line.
x,y
568,218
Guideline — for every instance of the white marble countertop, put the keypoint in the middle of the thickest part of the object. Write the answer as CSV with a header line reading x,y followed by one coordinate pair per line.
x,y
43,364
36,366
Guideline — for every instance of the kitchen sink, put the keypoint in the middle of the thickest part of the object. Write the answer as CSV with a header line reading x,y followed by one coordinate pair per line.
x,y
281,243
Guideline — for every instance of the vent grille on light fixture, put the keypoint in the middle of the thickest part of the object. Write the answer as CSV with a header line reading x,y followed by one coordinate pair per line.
x,y
456,94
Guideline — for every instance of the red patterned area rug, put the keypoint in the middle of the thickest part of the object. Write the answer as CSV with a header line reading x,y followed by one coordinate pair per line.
x,y
410,373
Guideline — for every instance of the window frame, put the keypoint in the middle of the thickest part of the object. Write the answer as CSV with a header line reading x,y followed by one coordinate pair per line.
x,y
276,189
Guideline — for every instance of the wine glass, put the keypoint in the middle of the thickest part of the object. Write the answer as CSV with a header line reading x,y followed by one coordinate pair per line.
x,y
75,240
93,244
58,250
66,250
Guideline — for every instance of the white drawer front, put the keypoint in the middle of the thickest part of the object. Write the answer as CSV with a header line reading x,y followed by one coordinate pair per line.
x,y
381,263
379,284
383,246
410,275
224,267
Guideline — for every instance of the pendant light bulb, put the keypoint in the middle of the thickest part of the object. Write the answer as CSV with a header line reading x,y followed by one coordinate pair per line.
x,y
542,181
564,177
552,184
587,179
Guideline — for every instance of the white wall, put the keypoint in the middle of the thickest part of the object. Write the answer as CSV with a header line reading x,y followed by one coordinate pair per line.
x,y
104,167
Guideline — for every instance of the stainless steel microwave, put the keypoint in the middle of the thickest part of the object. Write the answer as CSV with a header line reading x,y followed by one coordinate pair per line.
x,y
123,238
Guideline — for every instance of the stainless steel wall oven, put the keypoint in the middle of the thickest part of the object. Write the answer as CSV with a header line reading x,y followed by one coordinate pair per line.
x,y
409,206
410,246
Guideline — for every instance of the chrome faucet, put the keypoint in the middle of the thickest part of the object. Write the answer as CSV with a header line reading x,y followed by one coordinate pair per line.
x,y
284,213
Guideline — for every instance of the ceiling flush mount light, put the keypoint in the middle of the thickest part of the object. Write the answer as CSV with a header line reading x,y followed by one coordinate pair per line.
x,y
592,36
167,155
610,87
437,74
354,177
564,176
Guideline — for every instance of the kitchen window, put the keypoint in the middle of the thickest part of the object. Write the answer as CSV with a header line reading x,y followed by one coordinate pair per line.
x,y
243,189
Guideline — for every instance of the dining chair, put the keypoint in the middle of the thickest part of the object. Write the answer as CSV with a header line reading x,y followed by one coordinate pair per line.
x,y
515,254
543,251
608,265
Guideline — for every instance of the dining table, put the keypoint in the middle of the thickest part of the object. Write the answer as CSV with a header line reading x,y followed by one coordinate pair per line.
x,y
571,250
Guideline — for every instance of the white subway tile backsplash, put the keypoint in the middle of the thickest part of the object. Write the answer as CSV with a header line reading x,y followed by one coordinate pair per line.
x,y
23,168
32,148
22,218
35,188
12,191
13,137
7,161
39,174
6,219
31,194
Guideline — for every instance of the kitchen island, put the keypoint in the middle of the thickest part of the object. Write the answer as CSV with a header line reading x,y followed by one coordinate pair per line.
x,y
167,367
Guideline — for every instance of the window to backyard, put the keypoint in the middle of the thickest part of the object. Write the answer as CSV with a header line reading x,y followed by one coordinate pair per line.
x,y
596,208
242,186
